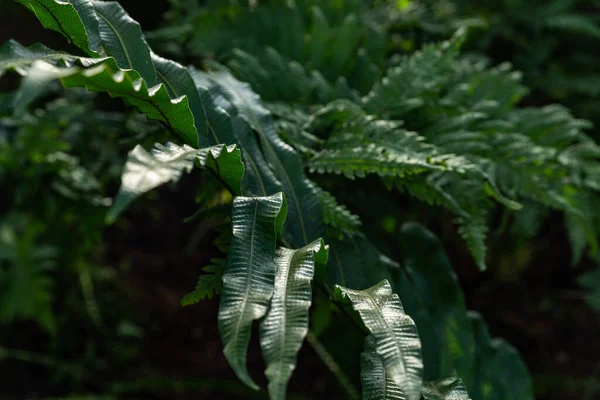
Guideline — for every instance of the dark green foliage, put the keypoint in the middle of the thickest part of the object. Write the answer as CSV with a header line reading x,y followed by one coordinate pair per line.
x,y
281,90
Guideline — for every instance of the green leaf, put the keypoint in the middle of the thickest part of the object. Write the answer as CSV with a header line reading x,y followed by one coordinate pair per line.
x,y
35,83
166,163
259,179
249,279
285,326
450,388
179,82
304,223
377,384
394,332
154,101
100,74
208,283
446,335
122,39
74,19
336,215
15,57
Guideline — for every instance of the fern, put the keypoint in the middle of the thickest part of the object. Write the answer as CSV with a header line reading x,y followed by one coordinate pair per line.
x,y
304,85
208,283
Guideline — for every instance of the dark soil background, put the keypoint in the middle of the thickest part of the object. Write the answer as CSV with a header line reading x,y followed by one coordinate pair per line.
x,y
539,310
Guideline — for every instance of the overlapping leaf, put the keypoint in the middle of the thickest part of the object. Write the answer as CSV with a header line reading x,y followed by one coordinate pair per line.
x,y
377,384
305,222
249,278
73,19
394,333
285,325
450,388
122,39
166,163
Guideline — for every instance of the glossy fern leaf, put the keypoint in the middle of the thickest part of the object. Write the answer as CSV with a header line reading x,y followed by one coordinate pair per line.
x,y
122,39
377,384
285,325
249,278
305,212
75,20
450,388
393,331
145,171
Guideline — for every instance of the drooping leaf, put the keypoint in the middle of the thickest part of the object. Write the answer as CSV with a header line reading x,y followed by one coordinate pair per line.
x,y
249,278
285,326
73,19
394,332
179,82
304,223
101,74
122,39
14,56
153,101
259,179
450,388
208,283
377,384
166,163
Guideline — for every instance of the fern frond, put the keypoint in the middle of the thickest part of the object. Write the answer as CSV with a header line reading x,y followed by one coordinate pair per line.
x,y
337,215
208,283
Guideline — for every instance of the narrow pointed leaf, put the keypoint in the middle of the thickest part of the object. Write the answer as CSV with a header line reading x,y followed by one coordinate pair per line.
x,y
259,179
74,19
153,101
305,214
122,39
395,334
103,75
145,171
450,388
179,82
285,326
249,278
377,384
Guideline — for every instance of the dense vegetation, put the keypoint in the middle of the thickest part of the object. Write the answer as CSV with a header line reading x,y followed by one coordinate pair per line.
x,y
325,143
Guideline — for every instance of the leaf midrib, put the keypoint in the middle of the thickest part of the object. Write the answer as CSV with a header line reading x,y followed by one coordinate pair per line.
x,y
111,26
248,274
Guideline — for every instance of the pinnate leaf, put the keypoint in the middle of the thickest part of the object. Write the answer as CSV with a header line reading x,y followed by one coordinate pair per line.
x,y
208,283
